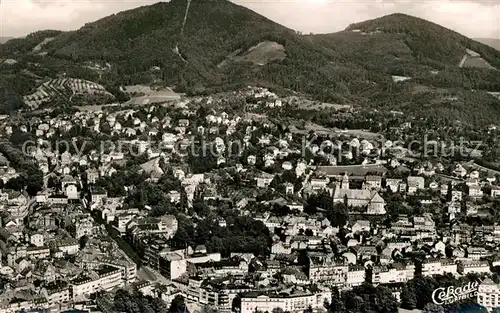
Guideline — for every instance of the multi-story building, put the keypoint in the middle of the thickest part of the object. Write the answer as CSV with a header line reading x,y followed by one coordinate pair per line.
x,y
38,252
372,182
476,253
475,191
57,293
395,273
166,226
356,276
67,246
393,184
288,301
322,269
127,267
438,267
197,292
473,266
417,181
424,223
234,266
488,294
495,191
398,243
173,264
109,277
98,196
106,278
84,227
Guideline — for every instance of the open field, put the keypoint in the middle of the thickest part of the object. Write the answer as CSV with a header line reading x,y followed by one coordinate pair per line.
x,y
305,104
334,131
495,94
64,88
260,54
263,53
148,95
474,60
324,106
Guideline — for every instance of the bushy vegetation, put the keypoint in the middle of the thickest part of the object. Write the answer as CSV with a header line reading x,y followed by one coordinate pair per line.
x,y
30,177
135,302
242,234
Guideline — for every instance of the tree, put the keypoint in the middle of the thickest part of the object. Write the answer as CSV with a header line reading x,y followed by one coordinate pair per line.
x,y
178,305
83,241
338,214
336,305
367,298
408,298
308,310
137,303
208,309
158,305
236,304
51,182
424,286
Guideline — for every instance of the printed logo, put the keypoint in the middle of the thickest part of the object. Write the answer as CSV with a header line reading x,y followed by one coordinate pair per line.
x,y
443,296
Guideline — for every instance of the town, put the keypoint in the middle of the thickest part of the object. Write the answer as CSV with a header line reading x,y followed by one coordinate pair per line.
x,y
233,203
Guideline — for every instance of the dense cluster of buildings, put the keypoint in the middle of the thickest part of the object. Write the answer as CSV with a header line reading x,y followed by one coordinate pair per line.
x,y
76,238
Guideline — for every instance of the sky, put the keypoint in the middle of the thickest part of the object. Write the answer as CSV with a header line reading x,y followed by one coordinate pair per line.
x,y
473,18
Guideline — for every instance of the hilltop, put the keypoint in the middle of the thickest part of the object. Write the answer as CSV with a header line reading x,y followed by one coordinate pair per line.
x,y
187,54
435,71
403,45
210,46
220,46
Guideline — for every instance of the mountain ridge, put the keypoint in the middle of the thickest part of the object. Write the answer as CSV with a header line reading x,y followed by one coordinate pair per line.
x,y
5,39
355,66
492,42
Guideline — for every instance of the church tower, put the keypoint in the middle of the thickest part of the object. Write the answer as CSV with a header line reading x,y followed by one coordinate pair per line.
x,y
345,182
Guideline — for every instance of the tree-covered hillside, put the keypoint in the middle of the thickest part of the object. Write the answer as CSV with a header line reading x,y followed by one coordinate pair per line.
x,y
358,66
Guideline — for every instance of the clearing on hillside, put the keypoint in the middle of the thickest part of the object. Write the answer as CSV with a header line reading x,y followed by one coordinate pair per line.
x,y
65,89
142,95
474,60
260,54
39,47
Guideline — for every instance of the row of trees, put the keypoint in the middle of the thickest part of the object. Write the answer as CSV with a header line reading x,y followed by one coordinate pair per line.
x,y
135,302
242,234
30,178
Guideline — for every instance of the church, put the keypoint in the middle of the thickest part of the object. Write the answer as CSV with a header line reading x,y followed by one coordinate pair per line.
x,y
374,203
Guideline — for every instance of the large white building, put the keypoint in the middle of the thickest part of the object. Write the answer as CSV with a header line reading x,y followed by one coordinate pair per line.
x,y
438,267
396,273
288,301
356,276
104,279
488,294
466,267
174,264
417,181
324,270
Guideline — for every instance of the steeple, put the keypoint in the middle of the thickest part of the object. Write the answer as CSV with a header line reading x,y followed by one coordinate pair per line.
x,y
345,182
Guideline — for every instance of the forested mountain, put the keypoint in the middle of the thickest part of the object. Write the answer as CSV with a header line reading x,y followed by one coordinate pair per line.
x,y
403,45
390,62
436,71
